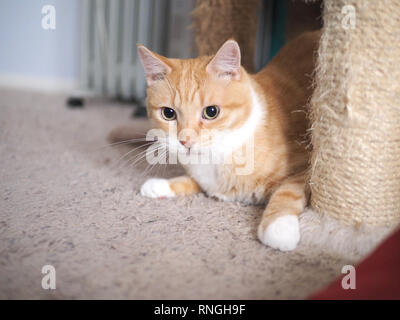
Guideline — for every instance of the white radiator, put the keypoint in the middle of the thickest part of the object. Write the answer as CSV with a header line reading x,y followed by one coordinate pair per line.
x,y
112,28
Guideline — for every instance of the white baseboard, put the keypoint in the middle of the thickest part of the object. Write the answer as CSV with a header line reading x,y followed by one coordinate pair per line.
x,y
39,83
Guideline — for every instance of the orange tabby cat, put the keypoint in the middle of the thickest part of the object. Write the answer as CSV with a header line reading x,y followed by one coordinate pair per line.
x,y
264,113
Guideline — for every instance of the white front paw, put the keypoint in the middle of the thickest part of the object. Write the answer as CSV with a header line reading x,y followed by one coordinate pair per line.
x,y
283,233
156,188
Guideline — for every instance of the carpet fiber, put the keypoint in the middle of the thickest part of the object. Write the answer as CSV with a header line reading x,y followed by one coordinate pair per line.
x,y
67,200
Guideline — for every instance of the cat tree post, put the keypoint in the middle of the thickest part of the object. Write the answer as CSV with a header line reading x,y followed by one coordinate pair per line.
x,y
355,165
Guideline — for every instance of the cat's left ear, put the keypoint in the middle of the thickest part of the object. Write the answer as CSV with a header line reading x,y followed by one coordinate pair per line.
x,y
155,66
226,62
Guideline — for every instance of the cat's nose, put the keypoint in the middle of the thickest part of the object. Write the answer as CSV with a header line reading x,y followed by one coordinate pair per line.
x,y
186,143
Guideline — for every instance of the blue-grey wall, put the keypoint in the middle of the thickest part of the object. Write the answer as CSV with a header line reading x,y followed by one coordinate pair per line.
x,y
26,49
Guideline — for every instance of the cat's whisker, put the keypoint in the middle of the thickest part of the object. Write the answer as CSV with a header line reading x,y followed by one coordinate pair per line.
x,y
152,166
147,169
128,153
135,159
141,156
129,141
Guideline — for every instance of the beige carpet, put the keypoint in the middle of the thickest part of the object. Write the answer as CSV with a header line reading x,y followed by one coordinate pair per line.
x,y
66,200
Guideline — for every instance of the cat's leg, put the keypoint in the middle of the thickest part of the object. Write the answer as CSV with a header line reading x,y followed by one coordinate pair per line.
x,y
279,227
179,186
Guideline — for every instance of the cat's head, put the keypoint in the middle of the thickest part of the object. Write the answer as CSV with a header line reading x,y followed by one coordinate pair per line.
x,y
207,101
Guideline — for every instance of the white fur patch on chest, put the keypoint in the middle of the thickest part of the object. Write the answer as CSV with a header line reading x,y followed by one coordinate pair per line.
x,y
211,179
206,175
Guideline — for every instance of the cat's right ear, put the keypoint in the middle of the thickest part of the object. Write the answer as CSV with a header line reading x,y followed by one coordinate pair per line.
x,y
154,66
226,62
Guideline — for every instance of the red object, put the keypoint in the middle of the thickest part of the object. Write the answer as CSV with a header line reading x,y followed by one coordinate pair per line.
x,y
377,276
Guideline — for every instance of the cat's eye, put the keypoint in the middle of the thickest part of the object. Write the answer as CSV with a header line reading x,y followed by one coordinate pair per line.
x,y
210,112
168,113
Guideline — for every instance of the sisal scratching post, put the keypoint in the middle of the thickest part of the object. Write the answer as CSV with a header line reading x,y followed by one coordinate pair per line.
x,y
355,172
216,21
